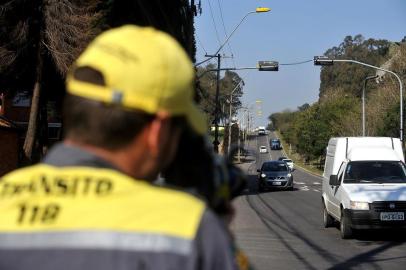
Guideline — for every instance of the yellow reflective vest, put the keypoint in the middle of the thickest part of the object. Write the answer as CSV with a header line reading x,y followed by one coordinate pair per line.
x,y
47,209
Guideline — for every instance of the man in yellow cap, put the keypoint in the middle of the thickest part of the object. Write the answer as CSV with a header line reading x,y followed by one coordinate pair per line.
x,y
90,203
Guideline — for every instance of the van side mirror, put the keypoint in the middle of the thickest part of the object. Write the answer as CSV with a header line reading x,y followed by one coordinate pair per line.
x,y
334,180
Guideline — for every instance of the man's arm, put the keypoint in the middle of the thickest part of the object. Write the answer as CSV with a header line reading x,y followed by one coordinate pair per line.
x,y
214,244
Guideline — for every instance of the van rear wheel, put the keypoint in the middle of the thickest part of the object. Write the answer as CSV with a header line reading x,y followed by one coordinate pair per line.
x,y
328,220
345,229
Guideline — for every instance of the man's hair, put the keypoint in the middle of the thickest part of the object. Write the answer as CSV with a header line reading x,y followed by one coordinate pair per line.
x,y
92,122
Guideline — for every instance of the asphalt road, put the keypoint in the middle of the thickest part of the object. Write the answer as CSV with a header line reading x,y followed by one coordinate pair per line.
x,y
283,229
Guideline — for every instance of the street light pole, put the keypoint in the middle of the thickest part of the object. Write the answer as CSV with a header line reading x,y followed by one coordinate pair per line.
x,y
363,101
323,60
216,54
257,10
229,118
262,66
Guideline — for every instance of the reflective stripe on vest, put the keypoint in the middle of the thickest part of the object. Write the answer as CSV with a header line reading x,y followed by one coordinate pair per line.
x,y
92,207
108,240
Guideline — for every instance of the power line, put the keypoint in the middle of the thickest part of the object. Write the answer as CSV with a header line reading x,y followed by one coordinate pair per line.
x,y
214,23
201,44
215,26
225,31
296,63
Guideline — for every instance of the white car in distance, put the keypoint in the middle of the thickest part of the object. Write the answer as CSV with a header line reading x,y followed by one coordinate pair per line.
x,y
289,162
263,149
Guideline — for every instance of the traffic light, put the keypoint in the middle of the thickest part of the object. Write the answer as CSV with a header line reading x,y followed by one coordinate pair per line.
x,y
323,61
268,66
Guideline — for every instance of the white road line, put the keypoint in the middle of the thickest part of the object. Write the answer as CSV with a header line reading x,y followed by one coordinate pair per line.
x,y
300,183
316,183
316,190
304,188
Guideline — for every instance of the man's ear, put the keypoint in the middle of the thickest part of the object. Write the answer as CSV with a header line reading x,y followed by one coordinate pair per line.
x,y
158,131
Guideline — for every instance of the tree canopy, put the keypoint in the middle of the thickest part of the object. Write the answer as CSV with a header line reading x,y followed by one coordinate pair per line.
x,y
206,89
338,110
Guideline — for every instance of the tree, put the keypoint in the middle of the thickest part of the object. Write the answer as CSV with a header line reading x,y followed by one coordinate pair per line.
x,y
39,40
303,107
52,33
206,89
371,51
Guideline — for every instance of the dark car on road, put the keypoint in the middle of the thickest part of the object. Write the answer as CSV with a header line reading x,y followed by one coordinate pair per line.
x,y
276,144
276,175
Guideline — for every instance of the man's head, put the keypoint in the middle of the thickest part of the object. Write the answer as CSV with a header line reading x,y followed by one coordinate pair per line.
x,y
129,94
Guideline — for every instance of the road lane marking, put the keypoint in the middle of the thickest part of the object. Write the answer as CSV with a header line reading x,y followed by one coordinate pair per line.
x,y
304,188
300,183
316,183
316,190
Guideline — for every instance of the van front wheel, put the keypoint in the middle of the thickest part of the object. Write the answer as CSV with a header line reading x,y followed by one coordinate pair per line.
x,y
328,220
345,229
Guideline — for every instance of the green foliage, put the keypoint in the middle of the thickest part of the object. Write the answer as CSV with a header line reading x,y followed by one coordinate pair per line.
x,y
338,110
206,92
371,51
310,128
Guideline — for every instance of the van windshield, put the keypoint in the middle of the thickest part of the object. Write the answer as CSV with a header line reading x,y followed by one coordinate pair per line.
x,y
380,172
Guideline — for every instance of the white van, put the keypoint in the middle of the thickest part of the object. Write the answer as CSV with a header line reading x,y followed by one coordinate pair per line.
x,y
364,184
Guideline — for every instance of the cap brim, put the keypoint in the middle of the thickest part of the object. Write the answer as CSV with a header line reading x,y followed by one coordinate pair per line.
x,y
196,119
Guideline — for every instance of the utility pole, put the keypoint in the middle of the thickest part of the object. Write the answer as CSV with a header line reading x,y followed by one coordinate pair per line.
x,y
363,101
216,141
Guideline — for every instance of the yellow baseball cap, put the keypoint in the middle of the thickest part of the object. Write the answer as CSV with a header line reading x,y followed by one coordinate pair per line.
x,y
143,69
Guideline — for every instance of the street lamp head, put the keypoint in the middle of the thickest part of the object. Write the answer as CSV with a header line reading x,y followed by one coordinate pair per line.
x,y
262,9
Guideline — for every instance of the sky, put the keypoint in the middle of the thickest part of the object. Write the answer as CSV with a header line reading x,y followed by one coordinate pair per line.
x,y
293,31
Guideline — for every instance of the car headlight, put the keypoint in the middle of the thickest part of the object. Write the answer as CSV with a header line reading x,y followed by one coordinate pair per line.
x,y
359,205
289,174
263,175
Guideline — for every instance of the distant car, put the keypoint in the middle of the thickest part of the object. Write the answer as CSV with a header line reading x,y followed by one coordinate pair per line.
x,y
276,144
282,158
289,162
274,174
263,149
261,131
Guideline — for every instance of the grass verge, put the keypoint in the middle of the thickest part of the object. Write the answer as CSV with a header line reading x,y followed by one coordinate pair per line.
x,y
297,159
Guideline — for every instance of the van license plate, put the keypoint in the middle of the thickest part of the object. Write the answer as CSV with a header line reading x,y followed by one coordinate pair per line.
x,y
392,216
276,183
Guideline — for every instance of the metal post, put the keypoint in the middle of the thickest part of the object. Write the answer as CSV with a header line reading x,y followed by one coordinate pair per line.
x,y
229,124
217,107
363,102
230,116
227,39
363,108
239,145
388,71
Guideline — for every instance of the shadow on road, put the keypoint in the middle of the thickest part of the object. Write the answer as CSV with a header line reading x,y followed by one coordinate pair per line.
x,y
367,257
